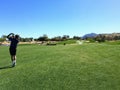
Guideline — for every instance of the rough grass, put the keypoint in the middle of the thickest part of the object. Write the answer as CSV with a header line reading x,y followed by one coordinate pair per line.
x,y
70,67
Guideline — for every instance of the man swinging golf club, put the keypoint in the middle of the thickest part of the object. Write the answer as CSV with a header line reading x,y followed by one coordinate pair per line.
x,y
13,47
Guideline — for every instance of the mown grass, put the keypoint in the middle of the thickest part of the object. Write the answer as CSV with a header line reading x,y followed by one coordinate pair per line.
x,y
67,42
113,42
70,67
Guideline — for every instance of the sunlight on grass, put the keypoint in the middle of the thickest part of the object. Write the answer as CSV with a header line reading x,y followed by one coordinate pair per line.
x,y
70,67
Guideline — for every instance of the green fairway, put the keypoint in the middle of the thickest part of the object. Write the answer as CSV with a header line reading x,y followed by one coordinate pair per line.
x,y
69,67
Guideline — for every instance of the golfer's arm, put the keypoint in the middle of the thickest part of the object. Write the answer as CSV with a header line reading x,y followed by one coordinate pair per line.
x,y
9,35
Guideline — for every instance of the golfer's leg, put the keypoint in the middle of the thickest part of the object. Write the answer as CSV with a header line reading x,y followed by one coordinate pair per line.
x,y
14,60
14,57
11,58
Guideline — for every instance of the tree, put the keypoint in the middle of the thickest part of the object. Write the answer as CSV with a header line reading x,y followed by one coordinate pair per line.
x,y
26,39
4,36
2,39
43,38
76,37
116,37
65,37
58,38
100,38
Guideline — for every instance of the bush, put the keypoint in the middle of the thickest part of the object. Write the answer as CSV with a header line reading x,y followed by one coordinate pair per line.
x,y
2,39
92,40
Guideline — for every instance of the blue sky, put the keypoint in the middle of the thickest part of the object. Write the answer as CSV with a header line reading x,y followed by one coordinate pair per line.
x,y
33,18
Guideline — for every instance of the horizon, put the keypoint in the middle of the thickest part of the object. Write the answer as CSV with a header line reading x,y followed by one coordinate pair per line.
x,y
66,34
34,18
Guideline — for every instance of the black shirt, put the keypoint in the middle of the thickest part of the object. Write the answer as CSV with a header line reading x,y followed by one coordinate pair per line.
x,y
14,42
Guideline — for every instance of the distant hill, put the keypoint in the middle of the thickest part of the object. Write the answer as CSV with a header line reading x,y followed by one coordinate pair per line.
x,y
90,35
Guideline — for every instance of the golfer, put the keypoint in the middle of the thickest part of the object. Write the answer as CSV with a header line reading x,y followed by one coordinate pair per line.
x,y
13,47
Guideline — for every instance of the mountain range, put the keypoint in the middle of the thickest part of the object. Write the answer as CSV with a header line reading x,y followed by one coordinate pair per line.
x,y
90,35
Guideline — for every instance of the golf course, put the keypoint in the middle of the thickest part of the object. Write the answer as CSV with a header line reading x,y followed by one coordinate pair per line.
x,y
61,67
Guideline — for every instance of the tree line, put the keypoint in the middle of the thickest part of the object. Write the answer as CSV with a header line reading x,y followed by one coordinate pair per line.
x,y
104,37
99,38
42,38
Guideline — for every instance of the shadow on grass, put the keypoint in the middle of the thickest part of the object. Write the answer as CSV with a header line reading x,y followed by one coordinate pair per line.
x,y
5,67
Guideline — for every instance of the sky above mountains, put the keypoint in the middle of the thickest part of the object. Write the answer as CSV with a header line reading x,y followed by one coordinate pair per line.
x,y
33,18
